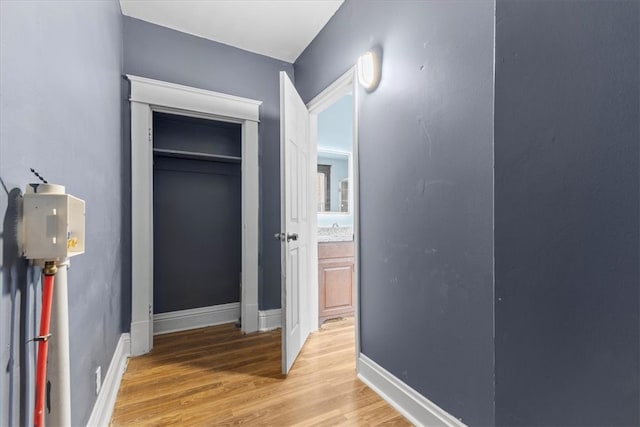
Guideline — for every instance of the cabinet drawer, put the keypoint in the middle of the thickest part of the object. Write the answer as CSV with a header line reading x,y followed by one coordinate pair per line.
x,y
335,250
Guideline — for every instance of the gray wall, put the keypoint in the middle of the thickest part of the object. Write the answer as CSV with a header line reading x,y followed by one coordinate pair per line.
x,y
426,145
566,213
60,112
164,54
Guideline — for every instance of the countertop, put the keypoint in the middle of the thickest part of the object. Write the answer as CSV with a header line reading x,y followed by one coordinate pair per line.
x,y
335,234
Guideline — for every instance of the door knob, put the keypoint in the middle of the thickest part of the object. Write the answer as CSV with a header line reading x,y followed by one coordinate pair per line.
x,y
292,236
285,236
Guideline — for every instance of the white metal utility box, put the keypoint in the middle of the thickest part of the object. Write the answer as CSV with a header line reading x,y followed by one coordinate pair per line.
x,y
53,223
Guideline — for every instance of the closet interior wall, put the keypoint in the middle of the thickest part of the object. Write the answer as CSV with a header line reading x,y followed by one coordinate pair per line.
x,y
196,212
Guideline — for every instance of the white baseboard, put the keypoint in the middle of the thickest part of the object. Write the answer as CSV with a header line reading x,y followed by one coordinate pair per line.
x,y
419,410
103,408
270,319
182,320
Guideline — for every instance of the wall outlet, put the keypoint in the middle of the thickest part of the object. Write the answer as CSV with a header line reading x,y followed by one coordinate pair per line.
x,y
98,379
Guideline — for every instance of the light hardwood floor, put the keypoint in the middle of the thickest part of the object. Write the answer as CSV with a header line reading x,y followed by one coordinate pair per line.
x,y
218,377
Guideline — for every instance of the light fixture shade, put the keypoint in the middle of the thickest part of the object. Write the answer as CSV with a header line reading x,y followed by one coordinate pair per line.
x,y
368,70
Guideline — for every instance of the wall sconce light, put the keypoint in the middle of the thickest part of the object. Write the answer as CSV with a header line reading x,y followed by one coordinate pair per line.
x,y
369,70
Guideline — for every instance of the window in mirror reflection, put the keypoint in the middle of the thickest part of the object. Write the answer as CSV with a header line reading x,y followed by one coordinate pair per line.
x,y
323,191
344,195
332,187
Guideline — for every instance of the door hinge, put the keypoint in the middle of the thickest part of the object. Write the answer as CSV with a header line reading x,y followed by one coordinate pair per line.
x,y
150,311
150,136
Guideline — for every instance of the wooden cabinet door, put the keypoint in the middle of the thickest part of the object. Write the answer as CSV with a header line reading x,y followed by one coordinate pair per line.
x,y
335,283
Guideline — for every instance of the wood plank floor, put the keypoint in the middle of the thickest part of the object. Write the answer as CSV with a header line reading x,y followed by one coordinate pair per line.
x,y
218,377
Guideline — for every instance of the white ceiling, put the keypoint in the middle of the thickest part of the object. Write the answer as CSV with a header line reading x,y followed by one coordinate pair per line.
x,y
281,29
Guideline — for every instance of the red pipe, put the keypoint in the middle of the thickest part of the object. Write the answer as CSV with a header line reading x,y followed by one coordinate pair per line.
x,y
43,346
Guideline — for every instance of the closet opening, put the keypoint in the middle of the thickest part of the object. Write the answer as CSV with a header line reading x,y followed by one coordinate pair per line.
x,y
197,222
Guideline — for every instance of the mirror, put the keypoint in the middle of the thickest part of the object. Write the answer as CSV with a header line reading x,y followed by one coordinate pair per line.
x,y
333,182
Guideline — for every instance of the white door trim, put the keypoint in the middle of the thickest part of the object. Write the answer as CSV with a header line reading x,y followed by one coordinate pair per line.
x,y
147,96
343,85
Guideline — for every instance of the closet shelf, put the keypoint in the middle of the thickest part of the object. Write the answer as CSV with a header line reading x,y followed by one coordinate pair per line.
x,y
195,155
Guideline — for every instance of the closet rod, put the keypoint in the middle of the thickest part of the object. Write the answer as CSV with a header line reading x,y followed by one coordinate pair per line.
x,y
195,155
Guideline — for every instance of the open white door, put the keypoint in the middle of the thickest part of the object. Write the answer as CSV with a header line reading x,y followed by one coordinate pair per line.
x,y
295,231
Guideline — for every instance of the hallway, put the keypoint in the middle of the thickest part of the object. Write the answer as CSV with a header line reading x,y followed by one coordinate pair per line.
x,y
217,376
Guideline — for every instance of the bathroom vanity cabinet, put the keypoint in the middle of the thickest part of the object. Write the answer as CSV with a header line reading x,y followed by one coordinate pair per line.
x,y
336,280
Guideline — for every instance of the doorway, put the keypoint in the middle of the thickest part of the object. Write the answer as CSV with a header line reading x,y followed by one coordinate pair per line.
x,y
196,221
336,255
305,300
334,142
148,96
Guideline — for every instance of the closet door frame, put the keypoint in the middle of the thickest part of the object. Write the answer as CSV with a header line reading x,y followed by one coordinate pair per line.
x,y
146,97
